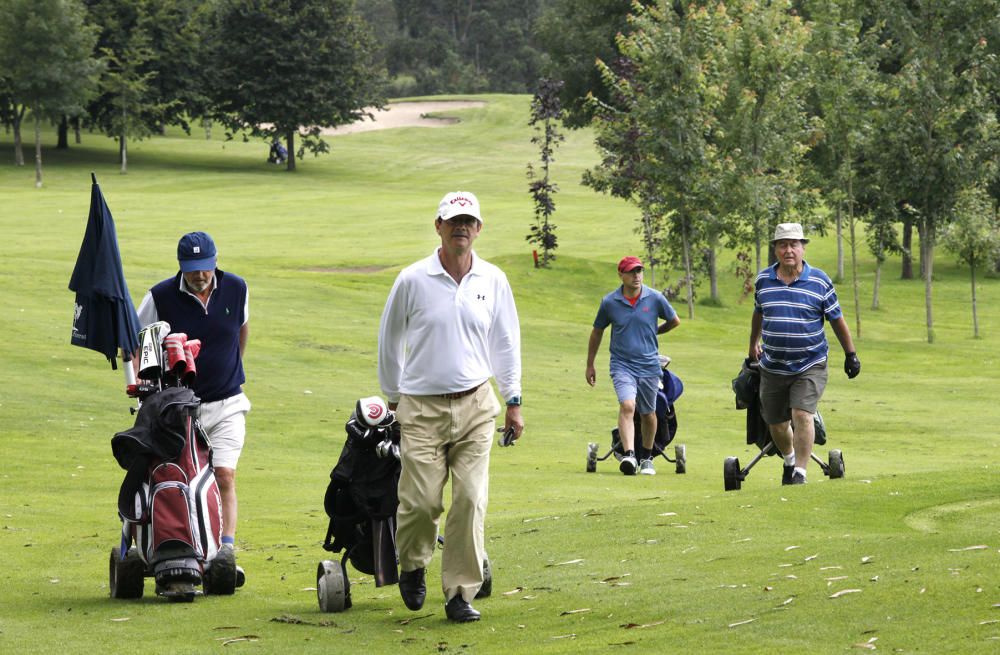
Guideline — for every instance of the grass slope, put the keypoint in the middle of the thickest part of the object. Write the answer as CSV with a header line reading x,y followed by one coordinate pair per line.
x,y
582,562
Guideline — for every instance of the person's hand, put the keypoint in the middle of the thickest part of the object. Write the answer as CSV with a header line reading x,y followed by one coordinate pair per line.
x,y
591,376
754,352
852,365
512,419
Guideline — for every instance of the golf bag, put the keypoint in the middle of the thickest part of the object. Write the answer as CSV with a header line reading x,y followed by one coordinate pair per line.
x,y
169,502
746,387
361,502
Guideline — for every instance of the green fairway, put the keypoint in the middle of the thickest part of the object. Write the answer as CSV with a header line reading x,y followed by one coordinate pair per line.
x,y
901,556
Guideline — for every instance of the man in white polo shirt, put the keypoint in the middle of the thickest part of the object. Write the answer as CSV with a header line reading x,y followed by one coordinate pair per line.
x,y
449,325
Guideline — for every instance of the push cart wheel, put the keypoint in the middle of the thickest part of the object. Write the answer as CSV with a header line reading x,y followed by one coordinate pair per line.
x,y
731,474
591,457
330,588
220,576
836,464
680,458
126,577
486,590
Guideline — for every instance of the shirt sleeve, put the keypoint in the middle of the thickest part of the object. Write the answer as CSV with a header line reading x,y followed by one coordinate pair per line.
x,y
602,320
505,343
391,341
667,311
147,310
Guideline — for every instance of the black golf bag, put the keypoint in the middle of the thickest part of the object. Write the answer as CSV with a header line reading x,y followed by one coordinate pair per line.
x,y
361,502
746,387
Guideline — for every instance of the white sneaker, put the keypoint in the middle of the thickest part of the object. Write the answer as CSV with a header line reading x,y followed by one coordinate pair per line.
x,y
627,465
646,467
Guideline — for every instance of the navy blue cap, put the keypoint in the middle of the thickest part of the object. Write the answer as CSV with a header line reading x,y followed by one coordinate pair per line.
x,y
196,252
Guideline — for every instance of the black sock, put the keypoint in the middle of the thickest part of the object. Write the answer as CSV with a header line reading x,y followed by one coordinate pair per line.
x,y
643,453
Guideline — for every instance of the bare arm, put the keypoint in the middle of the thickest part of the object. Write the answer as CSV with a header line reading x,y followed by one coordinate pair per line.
x,y
668,325
592,346
843,334
755,329
244,335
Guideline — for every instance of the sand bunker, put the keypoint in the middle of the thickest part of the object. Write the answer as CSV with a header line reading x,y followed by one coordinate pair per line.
x,y
407,114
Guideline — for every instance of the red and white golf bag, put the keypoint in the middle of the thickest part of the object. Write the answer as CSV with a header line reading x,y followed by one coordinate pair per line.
x,y
169,502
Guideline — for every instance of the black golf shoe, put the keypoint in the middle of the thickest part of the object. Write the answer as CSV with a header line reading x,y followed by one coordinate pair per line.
x,y
786,473
459,610
798,478
413,588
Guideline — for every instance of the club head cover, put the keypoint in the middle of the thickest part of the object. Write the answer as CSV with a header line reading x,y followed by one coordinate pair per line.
x,y
371,410
173,346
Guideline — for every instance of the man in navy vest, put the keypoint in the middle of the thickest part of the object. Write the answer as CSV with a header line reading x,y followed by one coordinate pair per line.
x,y
791,302
212,305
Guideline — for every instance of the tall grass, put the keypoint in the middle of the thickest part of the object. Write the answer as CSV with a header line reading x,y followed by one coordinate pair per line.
x,y
582,562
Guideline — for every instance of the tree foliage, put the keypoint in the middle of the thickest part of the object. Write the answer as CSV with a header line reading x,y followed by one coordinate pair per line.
x,y
45,63
281,68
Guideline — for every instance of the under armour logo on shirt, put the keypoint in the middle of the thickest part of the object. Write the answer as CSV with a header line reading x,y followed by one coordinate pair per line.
x,y
480,297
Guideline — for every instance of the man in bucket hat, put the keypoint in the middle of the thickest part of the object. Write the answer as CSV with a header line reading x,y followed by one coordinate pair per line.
x,y
211,305
791,301
449,325
632,311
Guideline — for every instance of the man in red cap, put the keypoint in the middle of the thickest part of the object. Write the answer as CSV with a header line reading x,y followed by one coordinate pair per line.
x,y
632,311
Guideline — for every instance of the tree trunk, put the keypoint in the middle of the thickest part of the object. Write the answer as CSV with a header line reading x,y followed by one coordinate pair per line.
x,y
975,316
18,149
62,143
756,237
840,244
123,153
854,266
687,268
927,256
291,152
647,226
907,273
38,151
713,273
207,125
76,129
921,234
878,281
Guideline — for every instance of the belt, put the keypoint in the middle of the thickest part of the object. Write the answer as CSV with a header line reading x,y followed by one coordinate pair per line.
x,y
459,394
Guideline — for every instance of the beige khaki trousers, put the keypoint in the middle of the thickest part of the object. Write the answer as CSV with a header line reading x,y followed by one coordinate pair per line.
x,y
442,437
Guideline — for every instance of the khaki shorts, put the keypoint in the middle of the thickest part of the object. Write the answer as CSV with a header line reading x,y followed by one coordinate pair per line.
x,y
780,393
225,423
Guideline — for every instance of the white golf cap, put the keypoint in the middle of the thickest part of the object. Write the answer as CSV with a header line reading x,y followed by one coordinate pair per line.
x,y
459,203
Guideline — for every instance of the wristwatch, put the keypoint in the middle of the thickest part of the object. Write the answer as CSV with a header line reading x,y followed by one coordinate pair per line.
x,y
513,400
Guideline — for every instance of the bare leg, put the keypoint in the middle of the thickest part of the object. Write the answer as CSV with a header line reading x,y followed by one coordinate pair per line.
x,y
781,435
648,431
226,478
626,424
805,434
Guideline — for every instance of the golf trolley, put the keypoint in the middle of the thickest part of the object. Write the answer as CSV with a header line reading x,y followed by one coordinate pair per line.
x,y
169,502
666,426
747,389
361,501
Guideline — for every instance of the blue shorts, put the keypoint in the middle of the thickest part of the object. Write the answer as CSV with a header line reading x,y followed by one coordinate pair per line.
x,y
641,390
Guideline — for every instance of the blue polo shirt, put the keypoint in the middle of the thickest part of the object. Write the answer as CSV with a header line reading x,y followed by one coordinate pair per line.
x,y
634,347
792,326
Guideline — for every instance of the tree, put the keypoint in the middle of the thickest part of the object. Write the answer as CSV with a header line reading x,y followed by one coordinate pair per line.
x,y
546,110
672,90
973,236
842,73
575,36
281,68
45,58
765,123
155,67
939,110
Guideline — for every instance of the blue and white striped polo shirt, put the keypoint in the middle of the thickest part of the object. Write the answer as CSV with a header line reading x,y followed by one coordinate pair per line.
x,y
792,334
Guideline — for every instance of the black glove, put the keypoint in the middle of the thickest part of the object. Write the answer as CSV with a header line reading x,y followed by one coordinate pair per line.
x,y
852,365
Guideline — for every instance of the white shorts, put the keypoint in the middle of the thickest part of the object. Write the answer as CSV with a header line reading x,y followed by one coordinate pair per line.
x,y
225,423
